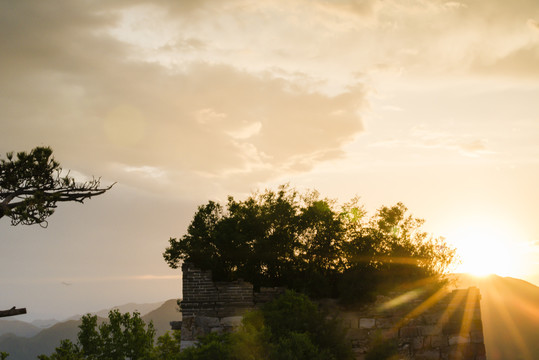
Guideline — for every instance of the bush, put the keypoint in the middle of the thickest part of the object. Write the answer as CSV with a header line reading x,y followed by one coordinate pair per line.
x,y
383,349
293,327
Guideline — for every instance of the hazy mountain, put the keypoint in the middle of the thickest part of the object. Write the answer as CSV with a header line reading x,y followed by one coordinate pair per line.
x,y
18,328
142,309
44,323
163,315
510,314
46,340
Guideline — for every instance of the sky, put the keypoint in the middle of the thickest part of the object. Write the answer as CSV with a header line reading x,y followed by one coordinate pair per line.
x,y
428,102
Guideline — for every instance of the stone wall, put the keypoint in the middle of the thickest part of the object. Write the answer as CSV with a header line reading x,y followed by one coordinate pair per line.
x,y
211,306
446,325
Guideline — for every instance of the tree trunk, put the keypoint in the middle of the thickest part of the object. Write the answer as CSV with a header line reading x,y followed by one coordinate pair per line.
x,y
12,312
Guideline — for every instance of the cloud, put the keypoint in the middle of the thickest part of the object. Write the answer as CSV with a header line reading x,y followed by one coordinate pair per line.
x,y
68,82
533,24
521,62
146,171
423,138
474,147
362,8
418,36
200,89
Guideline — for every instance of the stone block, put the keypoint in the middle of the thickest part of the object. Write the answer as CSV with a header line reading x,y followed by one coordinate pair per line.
x,y
358,334
459,339
431,330
384,323
459,352
232,321
409,332
452,327
438,341
366,323
390,333
203,325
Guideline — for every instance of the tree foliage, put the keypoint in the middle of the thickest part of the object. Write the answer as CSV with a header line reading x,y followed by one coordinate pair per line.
x,y
291,327
124,336
32,183
298,329
310,244
168,347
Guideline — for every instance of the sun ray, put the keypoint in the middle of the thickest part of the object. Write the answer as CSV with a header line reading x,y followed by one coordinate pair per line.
x,y
503,312
450,309
468,316
421,308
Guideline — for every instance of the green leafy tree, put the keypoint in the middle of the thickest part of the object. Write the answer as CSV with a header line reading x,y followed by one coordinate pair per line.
x,y
311,244
32,183
210,347
168,347
252,340
124,336
291,327
66,351
383,349
298,329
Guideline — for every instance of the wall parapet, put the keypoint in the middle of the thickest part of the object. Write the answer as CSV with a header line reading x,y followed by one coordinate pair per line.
x,y
444,325
216,306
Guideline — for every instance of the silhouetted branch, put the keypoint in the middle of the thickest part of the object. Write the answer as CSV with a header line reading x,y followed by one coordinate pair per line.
x,y
12,312
31,184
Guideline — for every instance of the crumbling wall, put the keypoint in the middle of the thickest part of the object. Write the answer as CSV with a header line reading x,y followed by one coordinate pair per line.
x,y
440,326
446,325
209,306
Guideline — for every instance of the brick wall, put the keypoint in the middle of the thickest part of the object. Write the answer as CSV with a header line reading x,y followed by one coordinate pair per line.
x,y
446,325
212,306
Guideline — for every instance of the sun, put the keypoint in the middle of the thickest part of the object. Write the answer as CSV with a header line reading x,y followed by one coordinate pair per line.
x,y
486,249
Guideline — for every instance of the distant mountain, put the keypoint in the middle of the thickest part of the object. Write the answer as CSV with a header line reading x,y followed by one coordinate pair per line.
x,y
510,314
163,315
46,340
142,309
44,323
18,328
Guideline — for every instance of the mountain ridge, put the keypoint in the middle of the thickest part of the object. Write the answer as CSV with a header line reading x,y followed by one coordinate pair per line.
x,y
46,340
510,315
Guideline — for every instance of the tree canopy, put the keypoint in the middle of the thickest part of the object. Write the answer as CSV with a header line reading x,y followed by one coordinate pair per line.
x,y
32,183
124,336
310,244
